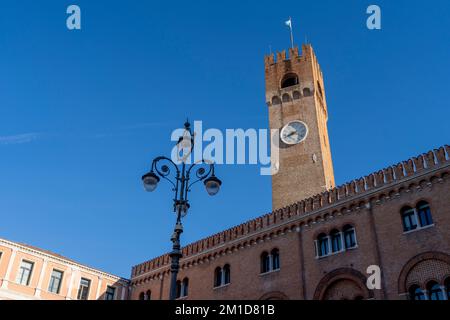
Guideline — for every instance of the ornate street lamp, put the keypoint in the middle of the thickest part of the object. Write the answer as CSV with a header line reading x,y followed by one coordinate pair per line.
x,y
181,183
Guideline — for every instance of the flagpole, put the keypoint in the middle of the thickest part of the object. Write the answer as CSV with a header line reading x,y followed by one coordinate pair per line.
x,y
292,35
289,24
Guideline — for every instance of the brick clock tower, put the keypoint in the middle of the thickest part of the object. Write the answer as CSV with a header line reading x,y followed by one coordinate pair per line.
x,y
295,96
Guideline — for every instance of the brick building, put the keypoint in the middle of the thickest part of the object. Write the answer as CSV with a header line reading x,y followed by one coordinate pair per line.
x,y
319,240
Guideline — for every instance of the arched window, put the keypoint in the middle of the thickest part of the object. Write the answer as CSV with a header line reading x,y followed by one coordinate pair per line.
x,y
408,219
286,97
226,274
178,291
289,80
447,288
306,92
148,295
276,100
322,245
185,287
275,253
336,244
218,277
349,237
142,296
424,212
296,95
265,262
434,291
415,293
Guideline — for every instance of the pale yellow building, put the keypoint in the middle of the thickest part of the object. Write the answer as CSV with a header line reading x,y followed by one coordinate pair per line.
x,y
28,273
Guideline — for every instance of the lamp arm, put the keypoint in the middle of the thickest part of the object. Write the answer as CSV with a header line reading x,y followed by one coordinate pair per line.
x,y
201,173
164,171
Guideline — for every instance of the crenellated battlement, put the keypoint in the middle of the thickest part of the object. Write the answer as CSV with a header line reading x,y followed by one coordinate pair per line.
x,y
280,66
281,57
391,175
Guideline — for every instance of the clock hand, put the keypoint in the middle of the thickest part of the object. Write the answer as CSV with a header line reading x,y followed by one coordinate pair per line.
x,y
287,135
292,133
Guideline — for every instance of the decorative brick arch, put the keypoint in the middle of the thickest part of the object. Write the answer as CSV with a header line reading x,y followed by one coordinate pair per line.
x,y
408,267
274,295
342,274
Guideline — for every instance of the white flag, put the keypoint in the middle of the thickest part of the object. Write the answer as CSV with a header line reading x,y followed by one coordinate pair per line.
x,y
289,23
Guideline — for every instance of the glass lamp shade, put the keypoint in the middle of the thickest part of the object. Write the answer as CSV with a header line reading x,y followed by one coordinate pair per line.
x,y
212,185
182,207
150,181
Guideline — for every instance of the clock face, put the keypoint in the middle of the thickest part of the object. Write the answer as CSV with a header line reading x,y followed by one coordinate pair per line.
x,y
294,132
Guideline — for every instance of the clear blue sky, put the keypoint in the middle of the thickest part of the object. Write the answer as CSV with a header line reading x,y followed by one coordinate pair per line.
x,y
82,113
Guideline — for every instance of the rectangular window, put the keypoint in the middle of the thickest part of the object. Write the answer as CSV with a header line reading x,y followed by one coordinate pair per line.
x,y
350,239
323,246
425,216
24,275
110,291
55,281
335,242
409,220
83,290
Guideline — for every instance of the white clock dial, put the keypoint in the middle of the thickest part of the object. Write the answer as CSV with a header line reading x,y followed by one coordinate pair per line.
x,y
294,132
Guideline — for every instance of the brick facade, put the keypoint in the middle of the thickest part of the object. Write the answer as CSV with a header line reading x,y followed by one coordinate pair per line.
x,y
372,205
306,168
307,208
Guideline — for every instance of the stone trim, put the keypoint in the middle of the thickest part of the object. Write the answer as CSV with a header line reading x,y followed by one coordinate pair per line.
x,y
431,255
339,274
274,295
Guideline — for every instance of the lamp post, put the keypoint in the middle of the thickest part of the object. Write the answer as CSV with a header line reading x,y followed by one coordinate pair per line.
x,y
181,185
